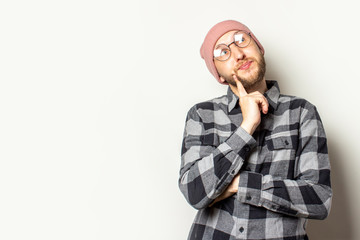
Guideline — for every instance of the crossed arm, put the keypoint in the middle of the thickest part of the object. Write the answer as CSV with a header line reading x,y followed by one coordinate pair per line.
x,y
210,174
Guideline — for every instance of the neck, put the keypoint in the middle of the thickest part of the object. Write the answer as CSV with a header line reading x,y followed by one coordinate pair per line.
x,y
260,87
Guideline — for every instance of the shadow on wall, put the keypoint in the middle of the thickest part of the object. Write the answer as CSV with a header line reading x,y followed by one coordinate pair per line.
x,y
338,225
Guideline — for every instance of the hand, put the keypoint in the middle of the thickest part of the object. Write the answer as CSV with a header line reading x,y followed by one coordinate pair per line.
x,y
251,104
229,191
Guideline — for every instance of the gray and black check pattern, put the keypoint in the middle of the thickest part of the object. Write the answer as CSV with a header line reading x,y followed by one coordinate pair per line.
x,y
284,169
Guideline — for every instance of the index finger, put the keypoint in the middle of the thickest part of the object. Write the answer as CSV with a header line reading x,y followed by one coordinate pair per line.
x,y
240,87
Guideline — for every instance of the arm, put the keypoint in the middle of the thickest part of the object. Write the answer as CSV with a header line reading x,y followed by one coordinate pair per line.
x,y
207,170
309,194
251,105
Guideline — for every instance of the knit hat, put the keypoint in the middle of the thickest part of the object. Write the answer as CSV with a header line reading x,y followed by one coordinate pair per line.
x,y
207,48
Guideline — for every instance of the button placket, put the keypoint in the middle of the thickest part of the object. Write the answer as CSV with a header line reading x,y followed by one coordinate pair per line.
x,y
241,228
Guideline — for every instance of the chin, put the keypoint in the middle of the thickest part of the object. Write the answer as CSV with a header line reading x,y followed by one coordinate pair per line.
x,y
251,83
252,76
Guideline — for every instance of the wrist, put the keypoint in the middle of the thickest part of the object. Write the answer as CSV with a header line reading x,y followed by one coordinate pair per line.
x,y
249,128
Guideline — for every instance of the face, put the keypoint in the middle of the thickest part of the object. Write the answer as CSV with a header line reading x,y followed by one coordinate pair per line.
x,y
247,63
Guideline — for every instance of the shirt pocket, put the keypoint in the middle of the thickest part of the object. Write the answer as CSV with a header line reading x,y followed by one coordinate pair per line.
x,y
277,141
281,146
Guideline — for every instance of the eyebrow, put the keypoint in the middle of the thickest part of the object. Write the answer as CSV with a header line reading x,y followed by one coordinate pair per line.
x,y
232,38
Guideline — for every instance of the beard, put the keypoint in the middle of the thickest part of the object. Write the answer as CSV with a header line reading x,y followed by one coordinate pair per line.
x,y
252,80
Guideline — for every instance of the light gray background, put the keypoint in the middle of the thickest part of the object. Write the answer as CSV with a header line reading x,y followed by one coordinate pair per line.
x,y
93,99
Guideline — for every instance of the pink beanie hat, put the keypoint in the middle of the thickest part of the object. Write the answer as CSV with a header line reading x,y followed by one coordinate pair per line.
x,y
207,48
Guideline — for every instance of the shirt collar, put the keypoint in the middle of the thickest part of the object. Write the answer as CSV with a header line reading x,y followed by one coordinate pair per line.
x,y
272,95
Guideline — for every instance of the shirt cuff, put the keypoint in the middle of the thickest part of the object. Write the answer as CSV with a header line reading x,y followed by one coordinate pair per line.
x,y
250,185
241,142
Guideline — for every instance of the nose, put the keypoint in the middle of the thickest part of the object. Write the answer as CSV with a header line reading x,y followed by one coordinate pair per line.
x,y
237,52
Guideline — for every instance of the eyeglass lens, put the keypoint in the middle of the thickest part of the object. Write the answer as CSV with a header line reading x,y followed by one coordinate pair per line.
x,y
222,51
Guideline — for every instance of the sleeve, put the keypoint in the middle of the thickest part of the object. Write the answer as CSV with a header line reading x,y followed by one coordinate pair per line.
x,y
207,170
309,194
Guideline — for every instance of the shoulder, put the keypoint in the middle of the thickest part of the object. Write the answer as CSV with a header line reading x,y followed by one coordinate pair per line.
x,y
294,103
299,108
208,106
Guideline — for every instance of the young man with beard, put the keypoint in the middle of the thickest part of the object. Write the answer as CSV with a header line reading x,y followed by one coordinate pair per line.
x,y
254,161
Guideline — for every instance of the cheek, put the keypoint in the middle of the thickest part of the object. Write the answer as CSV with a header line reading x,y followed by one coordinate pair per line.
x,y
253,52
225,68
227,71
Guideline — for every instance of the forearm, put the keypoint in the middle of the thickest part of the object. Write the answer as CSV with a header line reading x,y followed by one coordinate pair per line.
x,y
308,193
207,171
298,198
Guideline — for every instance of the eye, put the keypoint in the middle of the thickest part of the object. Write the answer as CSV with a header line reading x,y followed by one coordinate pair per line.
x,y
239,38
224,52
221,52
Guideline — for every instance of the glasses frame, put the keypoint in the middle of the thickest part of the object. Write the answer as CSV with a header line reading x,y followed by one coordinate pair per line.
x,y
233,42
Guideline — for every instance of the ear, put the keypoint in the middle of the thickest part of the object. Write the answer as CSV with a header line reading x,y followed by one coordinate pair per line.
x,y
222,80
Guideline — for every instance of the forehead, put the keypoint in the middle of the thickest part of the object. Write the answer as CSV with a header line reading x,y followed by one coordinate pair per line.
x,y
226,37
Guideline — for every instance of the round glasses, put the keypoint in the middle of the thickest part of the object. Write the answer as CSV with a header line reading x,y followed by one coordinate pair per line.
x,y
222,51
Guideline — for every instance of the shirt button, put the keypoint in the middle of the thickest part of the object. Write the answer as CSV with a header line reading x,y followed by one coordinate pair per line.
x,y
247,148
286,142
248,198
241,229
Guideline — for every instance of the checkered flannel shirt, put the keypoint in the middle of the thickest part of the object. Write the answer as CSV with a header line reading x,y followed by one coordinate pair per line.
x,y
284,169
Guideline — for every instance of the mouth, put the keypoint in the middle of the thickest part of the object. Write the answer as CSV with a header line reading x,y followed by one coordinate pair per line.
x,y
245,65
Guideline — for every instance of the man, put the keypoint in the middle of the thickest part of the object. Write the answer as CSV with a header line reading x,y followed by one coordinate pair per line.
x,y
254,161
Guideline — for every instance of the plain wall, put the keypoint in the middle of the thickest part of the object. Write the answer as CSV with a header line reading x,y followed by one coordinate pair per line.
x,y
93,99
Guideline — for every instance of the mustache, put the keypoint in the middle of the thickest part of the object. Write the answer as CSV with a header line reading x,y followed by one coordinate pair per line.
x,y
238,65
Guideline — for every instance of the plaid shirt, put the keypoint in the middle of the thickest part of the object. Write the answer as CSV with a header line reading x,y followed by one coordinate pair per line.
x,y
284,169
